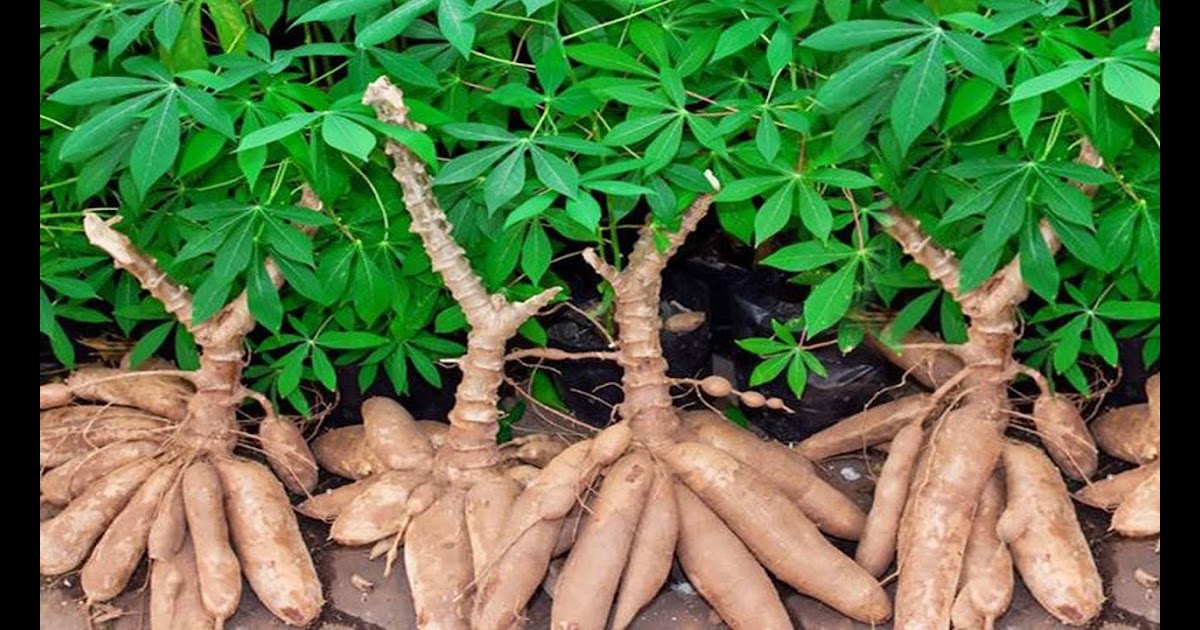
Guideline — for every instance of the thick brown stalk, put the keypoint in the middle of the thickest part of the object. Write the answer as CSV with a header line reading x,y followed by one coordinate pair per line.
x,y
210,423
965,444
647,405
492,318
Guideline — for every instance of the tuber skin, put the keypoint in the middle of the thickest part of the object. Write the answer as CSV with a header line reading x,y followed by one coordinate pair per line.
x,y
877,546
1065,436
1049,550
986,585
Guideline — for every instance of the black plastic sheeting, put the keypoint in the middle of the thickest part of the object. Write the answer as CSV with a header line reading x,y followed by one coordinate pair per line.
x,y
751,301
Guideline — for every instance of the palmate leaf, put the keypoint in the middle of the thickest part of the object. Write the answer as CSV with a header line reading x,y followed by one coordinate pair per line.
x,y
920,96
157,145
857,80
831,299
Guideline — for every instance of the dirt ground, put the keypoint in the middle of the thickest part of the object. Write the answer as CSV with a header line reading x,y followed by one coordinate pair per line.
x,y
360,598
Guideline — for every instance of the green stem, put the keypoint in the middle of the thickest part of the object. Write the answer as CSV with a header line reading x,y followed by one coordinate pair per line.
x,y
609,23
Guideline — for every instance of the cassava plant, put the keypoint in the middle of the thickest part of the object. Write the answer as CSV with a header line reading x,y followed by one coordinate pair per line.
x,y
694,485
151,470
444,492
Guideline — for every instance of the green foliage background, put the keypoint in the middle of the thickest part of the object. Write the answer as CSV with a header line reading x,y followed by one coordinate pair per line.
x,y
549,123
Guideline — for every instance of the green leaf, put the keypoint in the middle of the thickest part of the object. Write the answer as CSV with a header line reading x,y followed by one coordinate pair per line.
x,y
975,56
187,357
129,30
859,33
849,335
762,346
954,325
1080,242
323,369
766,138
456,24
347,136
814,213
920,96
406,68
969,99
768,370
774,214
621,189
392,24
585,211
555,172
696,50
70,287
861,77
830,299
636,129
807,255
536,253
1103,341
288,242
779,50
841,178
672,84
551,65
204,108
157,145
95,90
1024,115
263,298
1066,201
372,293
1052,80
739,36
797,376
838,11
909,316
471,165
516,96
291,367
743,189
210,296
978,263
102,129
277,131
303,280
662,149
1005,217
506,180
1066,351
350,340
234,254
651,40
1124,83
166,25
1128,311
149,344
532,207
229,19
607,57
337,9
1037,263
502,256
479,131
